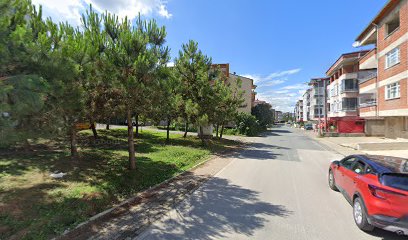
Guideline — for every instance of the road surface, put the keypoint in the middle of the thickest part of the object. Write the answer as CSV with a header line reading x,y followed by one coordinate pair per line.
x,y
276,189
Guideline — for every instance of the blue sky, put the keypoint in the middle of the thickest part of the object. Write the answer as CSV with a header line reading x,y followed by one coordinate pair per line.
x,y
280,44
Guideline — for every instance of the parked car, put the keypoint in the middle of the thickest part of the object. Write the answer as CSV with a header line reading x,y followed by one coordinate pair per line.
x,y
377,188
308,126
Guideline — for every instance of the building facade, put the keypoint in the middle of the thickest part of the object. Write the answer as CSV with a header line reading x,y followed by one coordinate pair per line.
x,y
384,100
318,98
343,94
306,105
247,86
299,111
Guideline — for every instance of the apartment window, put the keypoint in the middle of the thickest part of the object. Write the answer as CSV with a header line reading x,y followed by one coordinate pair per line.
x,y
349,103
392,57
349,85
393,91
393,24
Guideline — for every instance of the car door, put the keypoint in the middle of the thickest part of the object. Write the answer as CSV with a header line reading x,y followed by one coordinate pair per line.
x,y
350,177
344,166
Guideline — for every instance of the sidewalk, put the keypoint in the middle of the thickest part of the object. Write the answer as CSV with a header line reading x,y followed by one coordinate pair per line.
x,y
348,145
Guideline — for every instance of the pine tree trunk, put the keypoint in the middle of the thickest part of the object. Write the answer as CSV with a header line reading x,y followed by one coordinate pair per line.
x,y
95,133
108,124
74,143
202,135
137,125
222,130
132,158
168,131
186,130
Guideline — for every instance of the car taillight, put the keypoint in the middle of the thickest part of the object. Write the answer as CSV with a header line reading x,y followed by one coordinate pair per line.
x,y
382,193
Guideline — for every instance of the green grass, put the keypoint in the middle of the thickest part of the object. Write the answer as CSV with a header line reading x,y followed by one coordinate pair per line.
x,y
35,206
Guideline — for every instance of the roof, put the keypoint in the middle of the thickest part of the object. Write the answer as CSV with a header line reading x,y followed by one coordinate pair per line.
x,y
383,12
387,164
345,56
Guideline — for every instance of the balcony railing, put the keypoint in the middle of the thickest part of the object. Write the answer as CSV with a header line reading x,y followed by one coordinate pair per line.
x,y
368,104
365,76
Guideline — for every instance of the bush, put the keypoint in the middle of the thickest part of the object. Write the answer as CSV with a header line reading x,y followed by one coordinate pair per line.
x,y
247,125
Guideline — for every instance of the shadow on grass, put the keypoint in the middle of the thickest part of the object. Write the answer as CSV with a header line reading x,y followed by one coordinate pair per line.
x,y
217,208
94,182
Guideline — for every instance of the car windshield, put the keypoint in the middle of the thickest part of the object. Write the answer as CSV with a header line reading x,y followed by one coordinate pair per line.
x,y
398,181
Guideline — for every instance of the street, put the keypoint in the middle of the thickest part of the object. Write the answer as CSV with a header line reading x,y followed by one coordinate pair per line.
x,y
275,189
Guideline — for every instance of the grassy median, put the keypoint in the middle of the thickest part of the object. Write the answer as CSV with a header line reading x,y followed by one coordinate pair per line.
x,y
35,206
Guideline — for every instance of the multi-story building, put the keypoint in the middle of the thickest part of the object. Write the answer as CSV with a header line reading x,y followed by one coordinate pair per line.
x,y
318,98
384,100
343,92
278,116
306,105
299,111
247,86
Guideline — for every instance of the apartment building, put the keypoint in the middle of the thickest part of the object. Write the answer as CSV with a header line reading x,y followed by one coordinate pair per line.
x,y
343,94
318,98
384,101
247,86
278,116
306,105
299,111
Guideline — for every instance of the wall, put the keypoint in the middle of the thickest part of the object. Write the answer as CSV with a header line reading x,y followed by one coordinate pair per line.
x,y
394,127
374,127
246,86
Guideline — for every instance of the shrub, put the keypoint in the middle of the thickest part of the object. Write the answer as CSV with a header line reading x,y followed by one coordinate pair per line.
x,y
247,124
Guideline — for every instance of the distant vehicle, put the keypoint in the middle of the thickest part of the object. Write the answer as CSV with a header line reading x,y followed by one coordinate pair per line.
x,y
308,127
377,188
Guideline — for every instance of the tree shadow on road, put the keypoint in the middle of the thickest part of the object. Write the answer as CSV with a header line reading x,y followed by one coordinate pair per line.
x,y
219,207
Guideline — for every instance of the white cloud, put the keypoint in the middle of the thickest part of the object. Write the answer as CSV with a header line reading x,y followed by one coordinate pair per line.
x,y
71,10
298,86
258,79
283,97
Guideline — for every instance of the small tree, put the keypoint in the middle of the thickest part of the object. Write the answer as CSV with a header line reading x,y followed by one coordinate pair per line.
x,y
136,53
193,68
263,113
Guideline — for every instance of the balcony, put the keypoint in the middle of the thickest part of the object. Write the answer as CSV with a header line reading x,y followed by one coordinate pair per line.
x,y
364,76
349,85
369,61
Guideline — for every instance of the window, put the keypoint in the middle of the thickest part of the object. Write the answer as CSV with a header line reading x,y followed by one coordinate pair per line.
x,y
392,91
393,24
392,57
358,167
349,103
349,85
348,162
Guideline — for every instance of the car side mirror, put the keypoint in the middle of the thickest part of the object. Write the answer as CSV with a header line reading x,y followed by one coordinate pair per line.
x,y
337,163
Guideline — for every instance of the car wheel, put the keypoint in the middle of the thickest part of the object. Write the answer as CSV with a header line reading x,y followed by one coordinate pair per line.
x,y
360,215
332,182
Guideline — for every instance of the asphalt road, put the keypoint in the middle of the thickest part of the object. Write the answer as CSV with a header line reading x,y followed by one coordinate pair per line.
x,y
276,189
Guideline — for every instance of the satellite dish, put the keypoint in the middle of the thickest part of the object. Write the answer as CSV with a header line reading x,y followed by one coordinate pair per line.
x,y
357,44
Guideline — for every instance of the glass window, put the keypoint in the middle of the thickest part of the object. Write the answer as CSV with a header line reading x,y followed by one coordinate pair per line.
x,y
349,103
393,91
348,162
369,170
393,24
358,167
392,57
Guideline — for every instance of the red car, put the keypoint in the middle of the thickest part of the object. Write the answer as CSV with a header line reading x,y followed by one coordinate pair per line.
x,y
377,188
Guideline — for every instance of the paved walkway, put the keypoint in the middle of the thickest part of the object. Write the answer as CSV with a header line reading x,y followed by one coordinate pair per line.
x,y
348,145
